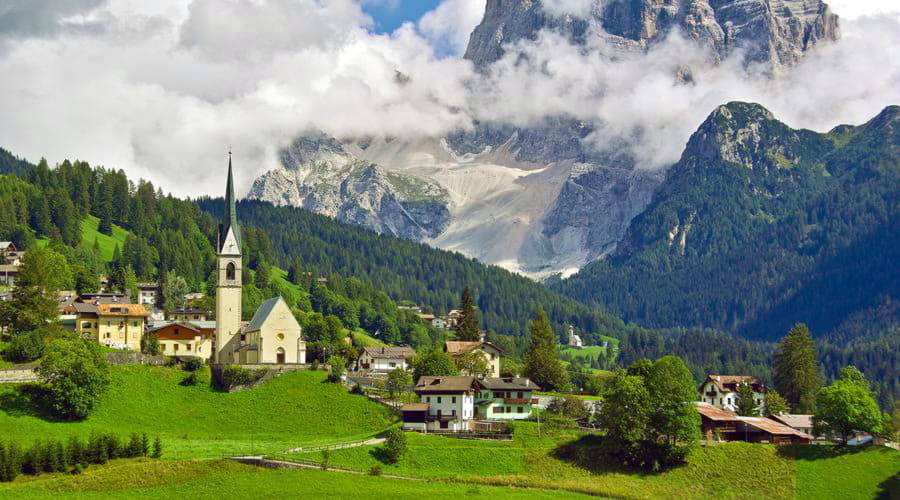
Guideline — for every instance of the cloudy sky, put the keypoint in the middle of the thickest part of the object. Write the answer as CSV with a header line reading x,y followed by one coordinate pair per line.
x,y
163,88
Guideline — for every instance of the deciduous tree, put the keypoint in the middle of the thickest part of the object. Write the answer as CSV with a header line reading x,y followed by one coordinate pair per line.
x,y
846,406
436,363
76,374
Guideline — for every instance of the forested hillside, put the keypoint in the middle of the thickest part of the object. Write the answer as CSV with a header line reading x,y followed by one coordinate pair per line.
x,y
368,273
760,226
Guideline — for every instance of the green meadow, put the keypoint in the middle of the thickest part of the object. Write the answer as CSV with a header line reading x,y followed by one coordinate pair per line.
x,y
90,231
294,409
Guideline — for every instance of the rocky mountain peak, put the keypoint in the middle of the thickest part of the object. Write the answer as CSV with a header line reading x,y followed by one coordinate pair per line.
x,y
772,32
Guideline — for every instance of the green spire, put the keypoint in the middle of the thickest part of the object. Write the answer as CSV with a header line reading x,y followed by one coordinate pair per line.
x,y
230,220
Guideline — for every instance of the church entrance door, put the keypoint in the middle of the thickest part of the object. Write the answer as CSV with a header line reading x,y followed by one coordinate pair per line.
x,y
279,356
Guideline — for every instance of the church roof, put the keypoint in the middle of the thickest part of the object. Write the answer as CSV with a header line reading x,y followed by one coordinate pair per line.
x,y
230,221
262,314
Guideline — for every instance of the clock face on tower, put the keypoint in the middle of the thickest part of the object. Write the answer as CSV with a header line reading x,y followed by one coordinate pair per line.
x,y
230,246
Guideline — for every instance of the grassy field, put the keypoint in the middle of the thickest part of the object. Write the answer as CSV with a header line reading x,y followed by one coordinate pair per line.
x,y
834,472
561,461
295,409
217,479
90,231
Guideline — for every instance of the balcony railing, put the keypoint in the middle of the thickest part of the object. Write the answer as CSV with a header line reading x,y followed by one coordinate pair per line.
x,y
520,401
439,418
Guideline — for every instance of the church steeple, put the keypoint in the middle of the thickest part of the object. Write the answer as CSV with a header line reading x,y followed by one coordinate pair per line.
x,y
230,221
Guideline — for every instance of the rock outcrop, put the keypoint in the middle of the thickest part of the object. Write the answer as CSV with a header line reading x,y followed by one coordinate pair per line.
x,y
776,33
320,175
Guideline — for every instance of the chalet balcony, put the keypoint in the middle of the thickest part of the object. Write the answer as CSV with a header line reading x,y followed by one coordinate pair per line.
x,y
440,418
711,394
518,401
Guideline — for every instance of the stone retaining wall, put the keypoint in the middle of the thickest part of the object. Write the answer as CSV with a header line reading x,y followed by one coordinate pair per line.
x,y
18,374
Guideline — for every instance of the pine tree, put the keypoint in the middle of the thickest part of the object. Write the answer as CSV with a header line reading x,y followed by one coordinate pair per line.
x,y
795,370
157,448
542,365
468,320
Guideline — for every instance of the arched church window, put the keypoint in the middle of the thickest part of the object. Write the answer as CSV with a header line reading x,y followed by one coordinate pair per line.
x,y
229,271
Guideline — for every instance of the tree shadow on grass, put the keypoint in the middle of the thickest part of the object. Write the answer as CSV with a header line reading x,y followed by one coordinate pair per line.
x,y
29,400
587,453
889,489
816,451
379,454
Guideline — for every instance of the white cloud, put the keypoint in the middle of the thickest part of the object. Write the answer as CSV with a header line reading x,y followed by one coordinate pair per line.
x,y
449,25
852,9
161,94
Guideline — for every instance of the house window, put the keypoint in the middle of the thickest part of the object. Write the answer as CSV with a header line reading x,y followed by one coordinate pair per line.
x,y
498,409
176,347
134,323
508,409
453,400
162,347
452,413
519,409
187,347
498,395
520,395
392,364
439,399
428,399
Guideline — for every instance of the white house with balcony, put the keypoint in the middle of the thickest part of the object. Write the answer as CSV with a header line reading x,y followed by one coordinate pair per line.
x,y
383,359
505,398
721,391
446,404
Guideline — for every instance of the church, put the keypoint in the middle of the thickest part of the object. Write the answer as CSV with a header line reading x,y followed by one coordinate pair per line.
x,y
273,336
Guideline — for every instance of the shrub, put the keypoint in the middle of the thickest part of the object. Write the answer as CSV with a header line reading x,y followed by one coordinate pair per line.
x,y
375,471
569,407
150,344
190,380
78,469
357,389
25,347
76,374
336,365
326,457
314,366
233,376
192,364
395,446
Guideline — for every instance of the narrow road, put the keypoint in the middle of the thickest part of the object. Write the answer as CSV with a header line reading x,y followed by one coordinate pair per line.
x,y
367,442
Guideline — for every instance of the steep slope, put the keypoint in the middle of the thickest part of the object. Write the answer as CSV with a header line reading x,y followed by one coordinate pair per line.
x,y
760,226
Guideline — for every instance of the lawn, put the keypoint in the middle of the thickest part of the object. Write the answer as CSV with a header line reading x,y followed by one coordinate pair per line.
x,y
846,473
294,409
215,479
561,460
90,231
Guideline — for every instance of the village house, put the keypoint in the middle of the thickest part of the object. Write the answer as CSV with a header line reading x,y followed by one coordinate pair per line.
x,y
103,298
9,254
385,359
147,293
725,425
185,338
453,404
721,391
446,404
439,323
115,325
9,274
802,423
505,398
456,348
188,314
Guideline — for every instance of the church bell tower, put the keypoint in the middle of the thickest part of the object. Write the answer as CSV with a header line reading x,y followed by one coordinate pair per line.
x,y
228,281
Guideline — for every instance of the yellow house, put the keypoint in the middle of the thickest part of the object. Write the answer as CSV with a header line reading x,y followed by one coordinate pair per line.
x,y
118,325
